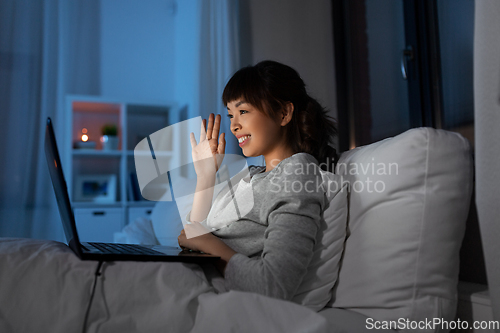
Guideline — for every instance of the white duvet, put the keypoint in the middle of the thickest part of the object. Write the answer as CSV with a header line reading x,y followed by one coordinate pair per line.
x,y
46,288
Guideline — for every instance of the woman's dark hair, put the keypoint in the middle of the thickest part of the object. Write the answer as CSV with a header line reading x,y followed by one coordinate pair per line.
x,y
270,86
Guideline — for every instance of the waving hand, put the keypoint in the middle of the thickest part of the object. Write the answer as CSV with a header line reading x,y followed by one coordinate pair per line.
x,y
209,152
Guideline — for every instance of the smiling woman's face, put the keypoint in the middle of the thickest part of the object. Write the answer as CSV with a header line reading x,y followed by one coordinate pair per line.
x,y
256,132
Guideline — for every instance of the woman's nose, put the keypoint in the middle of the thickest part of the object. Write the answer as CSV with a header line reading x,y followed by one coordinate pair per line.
x,y
235,126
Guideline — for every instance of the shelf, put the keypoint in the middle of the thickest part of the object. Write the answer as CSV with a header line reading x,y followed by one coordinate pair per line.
x,y
135,120
147,153
97,153
145,203
97,205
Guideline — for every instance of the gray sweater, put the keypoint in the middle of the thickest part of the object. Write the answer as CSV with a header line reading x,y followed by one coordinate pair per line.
x,y
275,239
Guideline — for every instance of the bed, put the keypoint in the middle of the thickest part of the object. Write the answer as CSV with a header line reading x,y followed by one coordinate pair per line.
x,y
395,261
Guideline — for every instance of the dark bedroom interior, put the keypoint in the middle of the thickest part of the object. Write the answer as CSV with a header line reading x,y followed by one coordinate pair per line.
x,y
413,85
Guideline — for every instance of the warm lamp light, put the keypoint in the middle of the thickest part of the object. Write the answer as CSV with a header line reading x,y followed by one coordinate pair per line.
x,y
85,142
85,137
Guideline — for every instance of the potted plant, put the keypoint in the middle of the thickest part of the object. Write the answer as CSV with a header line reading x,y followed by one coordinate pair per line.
x,y
109,138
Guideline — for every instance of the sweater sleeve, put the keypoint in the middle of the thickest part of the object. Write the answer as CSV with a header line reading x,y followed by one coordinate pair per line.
x,y
293,208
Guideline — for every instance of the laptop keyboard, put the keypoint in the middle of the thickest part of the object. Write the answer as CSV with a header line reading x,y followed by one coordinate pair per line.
x,y
112,248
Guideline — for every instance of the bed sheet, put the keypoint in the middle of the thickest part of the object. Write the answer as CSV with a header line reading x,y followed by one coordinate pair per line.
x,y
348,321
45,287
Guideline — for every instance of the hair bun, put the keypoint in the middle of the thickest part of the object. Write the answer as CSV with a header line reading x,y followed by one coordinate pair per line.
x,y
331,158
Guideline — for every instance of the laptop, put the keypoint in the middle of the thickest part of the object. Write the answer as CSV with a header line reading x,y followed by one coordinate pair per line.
x,y
104,251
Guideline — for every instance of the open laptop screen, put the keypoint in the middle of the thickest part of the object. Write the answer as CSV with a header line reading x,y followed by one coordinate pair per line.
x,y
60,188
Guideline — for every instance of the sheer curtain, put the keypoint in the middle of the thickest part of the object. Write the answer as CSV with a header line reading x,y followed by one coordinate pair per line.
x,y
48,48
207,55
51,48
219,58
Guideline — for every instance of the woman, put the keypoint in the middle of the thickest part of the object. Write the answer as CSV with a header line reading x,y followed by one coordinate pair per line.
x,y
268,249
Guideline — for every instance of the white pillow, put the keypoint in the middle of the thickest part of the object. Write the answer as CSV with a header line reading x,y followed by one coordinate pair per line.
x,y
167,224
139,231
401,257
166,215
315,290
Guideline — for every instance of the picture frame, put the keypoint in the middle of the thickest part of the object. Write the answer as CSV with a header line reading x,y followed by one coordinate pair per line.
x,y
95,188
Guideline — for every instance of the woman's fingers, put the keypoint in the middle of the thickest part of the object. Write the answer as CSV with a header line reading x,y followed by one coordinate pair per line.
x,y
181,238
193,140
203,133
212,131
216,128
222,144
210,127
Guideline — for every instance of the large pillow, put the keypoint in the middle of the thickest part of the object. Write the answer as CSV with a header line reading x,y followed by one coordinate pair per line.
x,y
315,290
409,201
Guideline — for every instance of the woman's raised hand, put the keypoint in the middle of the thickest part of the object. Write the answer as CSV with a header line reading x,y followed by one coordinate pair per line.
x,y
209,152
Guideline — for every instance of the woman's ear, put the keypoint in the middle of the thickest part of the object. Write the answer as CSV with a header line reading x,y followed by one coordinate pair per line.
x,y
287,113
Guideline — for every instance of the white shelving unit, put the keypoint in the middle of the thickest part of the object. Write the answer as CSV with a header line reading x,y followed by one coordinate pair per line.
x,y
98,220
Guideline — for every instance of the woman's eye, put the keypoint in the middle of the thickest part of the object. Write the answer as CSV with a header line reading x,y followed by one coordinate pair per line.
x,y
243,111
230,116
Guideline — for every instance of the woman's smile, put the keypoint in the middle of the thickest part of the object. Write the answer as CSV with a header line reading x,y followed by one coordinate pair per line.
x,y
243,140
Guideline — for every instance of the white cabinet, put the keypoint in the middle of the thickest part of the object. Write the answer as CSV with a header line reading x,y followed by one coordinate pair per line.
x,y
137,212
101,178
98,224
